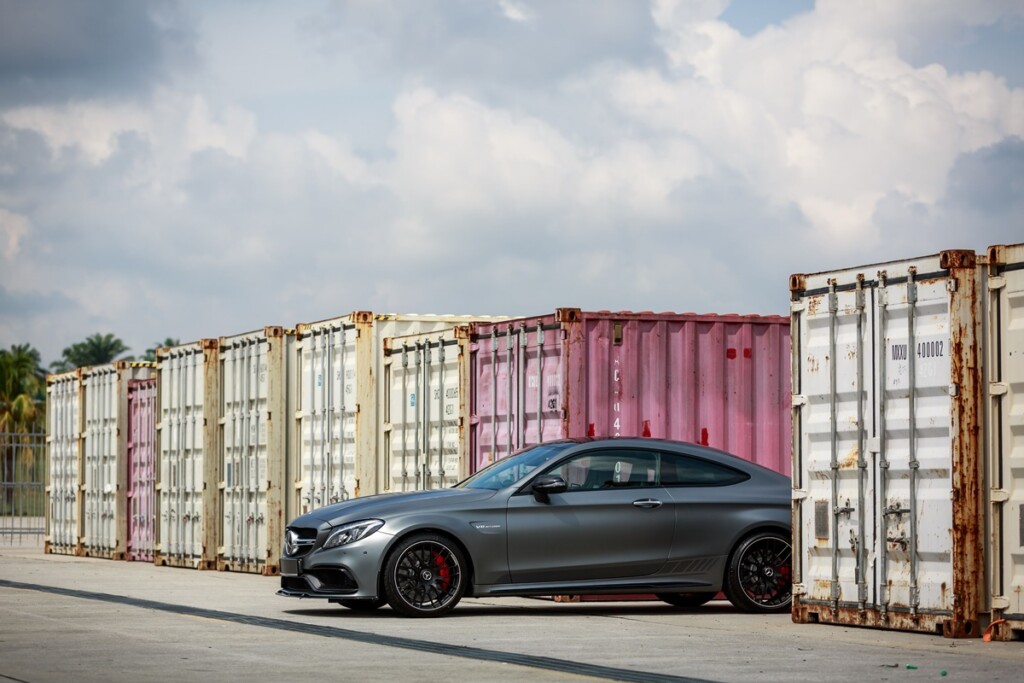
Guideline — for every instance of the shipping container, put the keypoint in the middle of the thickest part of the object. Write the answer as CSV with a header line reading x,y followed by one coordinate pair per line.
x,y
142,460
426,385
340,403
64,430
189,456
256,398
716,380
888,461
105,456
1006,438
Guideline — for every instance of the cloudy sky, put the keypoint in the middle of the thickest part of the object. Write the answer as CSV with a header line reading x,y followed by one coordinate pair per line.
x,y
197,169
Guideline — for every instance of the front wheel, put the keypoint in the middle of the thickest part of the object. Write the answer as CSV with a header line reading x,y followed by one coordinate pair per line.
x,y
687,600
424,576
760,576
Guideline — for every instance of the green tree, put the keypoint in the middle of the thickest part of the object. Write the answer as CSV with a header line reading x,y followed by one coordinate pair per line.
x,y
22,390
166,343
95,350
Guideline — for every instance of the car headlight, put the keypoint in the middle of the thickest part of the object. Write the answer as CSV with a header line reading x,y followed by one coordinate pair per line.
x,y
353,532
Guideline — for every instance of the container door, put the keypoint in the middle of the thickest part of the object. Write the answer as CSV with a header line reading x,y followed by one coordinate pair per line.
x,y
915,547
182,454
833,469
100,472
518,379
423,380
63,418
1007,431
327,396
141,468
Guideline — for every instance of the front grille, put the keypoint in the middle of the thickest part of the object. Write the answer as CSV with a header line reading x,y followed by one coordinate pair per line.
x,y
298,541
294,583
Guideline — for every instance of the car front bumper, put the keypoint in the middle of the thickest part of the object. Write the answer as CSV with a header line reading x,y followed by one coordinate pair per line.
x,y
349,571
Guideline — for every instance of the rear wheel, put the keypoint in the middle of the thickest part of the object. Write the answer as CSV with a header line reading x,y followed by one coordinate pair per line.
x,y
760,577
424,576
690,600
361,605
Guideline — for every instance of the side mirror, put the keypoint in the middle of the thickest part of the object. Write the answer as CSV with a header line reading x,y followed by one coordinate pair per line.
x,y
545,485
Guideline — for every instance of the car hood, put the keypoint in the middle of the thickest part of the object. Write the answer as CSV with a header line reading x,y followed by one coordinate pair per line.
x,y
389,504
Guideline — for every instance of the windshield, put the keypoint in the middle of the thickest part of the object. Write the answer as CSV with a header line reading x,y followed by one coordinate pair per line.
x,y
508,471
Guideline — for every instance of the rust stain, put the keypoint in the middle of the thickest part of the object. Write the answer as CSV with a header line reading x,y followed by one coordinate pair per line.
x,y
895,618
814,304
849,461
812,364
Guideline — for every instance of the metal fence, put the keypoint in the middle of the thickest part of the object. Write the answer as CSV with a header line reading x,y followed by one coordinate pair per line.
x,y
22,488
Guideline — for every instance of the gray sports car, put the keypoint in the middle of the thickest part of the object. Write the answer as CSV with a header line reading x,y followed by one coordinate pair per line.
x,y
569,517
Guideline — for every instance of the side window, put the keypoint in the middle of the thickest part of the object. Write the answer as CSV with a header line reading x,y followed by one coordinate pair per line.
x,y
683,470
607,469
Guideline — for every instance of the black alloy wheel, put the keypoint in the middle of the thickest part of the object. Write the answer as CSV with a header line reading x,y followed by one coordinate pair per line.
x,y
686,600
760,575
424,576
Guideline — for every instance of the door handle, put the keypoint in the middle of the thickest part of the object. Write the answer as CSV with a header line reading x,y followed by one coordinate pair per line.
x,y
648,503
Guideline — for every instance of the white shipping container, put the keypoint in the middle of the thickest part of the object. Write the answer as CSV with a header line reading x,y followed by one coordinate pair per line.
x,y
426,381
63,450
188,390
254,407
1006,437
887,450
104,456
337,435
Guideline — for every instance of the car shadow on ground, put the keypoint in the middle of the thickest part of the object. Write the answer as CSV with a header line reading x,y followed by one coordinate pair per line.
x,y
480,607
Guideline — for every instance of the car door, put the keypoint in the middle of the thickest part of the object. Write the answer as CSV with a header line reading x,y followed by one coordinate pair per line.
x,y
615,521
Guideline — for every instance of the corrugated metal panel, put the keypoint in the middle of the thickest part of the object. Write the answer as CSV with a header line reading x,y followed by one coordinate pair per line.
x,y
254,409
142,459
340,406
426,377
721,381
104,457
886,392
1006,436
189,470
63,450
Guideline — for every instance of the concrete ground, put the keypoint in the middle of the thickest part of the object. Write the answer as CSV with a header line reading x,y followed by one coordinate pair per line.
x,y
67,618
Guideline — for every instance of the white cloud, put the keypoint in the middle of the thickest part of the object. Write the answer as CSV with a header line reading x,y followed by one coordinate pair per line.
x,y
13,228
516,11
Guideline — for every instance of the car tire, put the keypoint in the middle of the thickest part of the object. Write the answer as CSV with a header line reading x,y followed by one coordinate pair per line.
x,y
361,605
686,600
759,577
424,576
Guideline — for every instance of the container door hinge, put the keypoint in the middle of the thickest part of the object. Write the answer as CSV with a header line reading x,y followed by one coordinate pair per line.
x,y
954,390
996,282
997,388
951,285
799,400
999,495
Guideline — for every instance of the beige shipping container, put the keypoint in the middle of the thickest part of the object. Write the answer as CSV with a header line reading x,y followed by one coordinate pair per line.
x,y
1006,439
64,428
188,455
425,409
104,497
337,435
254,404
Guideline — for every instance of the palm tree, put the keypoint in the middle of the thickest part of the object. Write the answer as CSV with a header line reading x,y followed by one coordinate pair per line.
x,y
166,343
22,390
95,350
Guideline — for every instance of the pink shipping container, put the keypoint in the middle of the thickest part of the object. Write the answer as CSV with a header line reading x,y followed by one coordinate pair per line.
x,y
141,468
718,380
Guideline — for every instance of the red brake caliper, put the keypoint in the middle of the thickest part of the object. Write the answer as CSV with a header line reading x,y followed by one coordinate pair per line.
x,y
444,572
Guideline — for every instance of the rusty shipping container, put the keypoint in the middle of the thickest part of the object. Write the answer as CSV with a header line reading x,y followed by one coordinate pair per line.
x,y
888,461
256,398
339,443
189,456
105,457
426,390
141,468
64,428
1006,439
717,380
